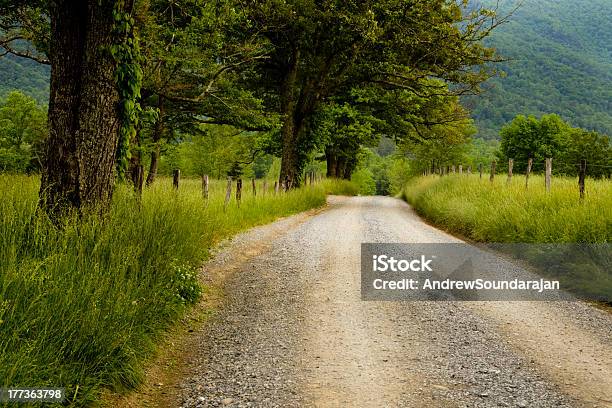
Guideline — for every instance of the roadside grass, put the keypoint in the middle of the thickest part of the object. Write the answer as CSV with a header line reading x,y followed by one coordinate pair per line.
x,y
82,307
500,213
497,212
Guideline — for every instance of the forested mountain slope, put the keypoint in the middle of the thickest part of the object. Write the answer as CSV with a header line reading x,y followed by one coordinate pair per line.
x,y
28,76
561,53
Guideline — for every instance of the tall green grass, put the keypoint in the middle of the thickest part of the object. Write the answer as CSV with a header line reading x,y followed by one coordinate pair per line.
x,y
497,212
81,307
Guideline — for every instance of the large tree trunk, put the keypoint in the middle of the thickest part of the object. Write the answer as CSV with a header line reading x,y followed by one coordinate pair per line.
x,y
79,163
290,160
289,171
158,132
332,162
153,165
351,163
341,167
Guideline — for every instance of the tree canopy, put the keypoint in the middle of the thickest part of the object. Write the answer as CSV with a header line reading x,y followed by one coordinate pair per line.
x,y
23,128
527,138
132,79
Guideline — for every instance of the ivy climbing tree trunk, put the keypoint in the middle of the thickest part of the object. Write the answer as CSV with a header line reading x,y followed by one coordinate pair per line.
x,y
79,164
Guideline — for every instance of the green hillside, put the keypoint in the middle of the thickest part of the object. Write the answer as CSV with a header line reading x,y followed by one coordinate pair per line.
x,y
28,76
561,62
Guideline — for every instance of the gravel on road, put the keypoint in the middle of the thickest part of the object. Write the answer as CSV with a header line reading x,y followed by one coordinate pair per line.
x,y
292,331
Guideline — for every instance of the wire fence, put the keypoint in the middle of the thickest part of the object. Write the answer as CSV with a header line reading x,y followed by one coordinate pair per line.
x,y
579,169
310,179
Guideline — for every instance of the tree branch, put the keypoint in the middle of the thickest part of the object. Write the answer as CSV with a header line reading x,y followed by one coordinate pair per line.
x,y
5,43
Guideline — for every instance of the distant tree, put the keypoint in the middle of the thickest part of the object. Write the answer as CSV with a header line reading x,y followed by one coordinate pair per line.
x,y
23,129
386,147
591,146
343,130
372,172
446,149
482,151
219,151
528,137
399,172
437,134
550,136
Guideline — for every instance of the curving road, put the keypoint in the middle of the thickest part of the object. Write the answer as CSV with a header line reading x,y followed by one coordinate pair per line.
x,y
292,331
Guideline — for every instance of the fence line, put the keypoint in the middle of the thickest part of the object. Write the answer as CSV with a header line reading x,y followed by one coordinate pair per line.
x,y
310,179
548,166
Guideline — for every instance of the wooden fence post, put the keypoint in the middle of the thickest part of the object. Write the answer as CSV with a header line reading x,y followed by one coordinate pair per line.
x,y
286,184
480,169
528,172
176,177
492,176
254,188
548,173
238,191
461,169
228,193
510,166
581,177
264,187
205,187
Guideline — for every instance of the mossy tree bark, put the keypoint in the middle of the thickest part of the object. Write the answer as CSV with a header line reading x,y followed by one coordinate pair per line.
x,y
79,164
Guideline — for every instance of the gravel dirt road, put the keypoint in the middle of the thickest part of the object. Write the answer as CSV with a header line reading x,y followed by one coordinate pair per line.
x,y
291,329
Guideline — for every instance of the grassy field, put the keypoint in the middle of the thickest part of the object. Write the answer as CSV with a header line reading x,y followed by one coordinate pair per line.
x,y
500,213
496,212
81,307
